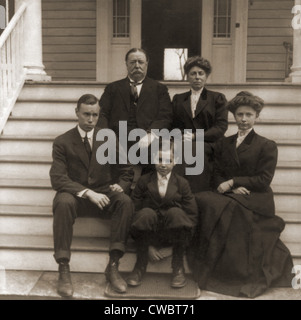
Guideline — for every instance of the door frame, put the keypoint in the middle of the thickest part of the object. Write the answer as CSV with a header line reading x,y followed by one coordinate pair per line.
x,y
104,31
104,9
239,37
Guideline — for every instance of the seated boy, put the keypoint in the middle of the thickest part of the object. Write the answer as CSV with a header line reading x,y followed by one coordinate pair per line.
x,y
166,214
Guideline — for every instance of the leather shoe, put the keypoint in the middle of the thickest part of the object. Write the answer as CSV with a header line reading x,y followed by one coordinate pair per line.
x,y
178,278
64,288
135,278
113,276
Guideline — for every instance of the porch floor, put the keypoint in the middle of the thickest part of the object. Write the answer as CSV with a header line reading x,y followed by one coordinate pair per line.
x,y
39,285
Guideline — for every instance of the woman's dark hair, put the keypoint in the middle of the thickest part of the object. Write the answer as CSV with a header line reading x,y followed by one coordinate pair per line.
x,y
136,50
245,98
200,62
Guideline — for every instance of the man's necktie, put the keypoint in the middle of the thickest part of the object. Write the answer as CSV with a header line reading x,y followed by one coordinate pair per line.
x,y
87,146
162,186
134,91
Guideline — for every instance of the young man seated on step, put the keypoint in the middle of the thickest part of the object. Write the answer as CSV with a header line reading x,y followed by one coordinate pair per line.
x,y
85,187
165,214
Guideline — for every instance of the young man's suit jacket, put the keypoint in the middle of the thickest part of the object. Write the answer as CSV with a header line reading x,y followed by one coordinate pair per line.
x,y
72,172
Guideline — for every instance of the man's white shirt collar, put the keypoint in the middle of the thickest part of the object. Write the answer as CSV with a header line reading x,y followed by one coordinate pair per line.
x,y
160,177
83,133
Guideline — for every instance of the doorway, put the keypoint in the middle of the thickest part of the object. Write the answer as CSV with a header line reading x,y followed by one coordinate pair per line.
x,y
170,24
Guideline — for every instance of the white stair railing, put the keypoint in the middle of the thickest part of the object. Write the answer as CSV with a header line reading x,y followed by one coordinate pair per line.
x,y
12,72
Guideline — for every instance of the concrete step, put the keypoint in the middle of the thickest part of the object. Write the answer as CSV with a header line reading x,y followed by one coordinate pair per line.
x,y
41,146
37,220
56,110
63,110
59,91
94,227
24,146
42,226
273,129
88,255
14,167
289,149
278,111
26,192
37,127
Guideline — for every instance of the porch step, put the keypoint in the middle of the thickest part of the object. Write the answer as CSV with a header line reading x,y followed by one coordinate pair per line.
x,y
65,110
27,191
33,128
67,91
88,255
37,220
272,129
41,146
29,252
27,167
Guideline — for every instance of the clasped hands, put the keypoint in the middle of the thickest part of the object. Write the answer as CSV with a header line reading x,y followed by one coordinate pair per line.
x,y
227,186
100,199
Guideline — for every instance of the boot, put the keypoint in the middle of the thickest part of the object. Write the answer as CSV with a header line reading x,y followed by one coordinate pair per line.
x,y
178,279
135,278
64,288
112,274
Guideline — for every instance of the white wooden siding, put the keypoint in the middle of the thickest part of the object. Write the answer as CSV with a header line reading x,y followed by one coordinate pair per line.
x,y
269,25
69,39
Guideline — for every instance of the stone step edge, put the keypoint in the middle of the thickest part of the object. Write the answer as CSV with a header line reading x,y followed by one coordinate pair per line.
x,y
44,159
45,184
46,212
3,137
87,245
48,160
231,121
29,242
30,83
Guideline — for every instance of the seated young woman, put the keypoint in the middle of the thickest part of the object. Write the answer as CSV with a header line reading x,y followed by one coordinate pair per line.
x,y
236,249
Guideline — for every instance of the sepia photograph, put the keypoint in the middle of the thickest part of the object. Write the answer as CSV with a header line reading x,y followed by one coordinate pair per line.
x,y
150,150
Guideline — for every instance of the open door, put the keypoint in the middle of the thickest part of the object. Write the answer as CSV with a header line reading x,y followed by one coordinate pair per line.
x,y
170,25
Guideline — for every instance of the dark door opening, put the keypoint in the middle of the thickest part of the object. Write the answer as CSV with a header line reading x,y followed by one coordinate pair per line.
x,y
170,24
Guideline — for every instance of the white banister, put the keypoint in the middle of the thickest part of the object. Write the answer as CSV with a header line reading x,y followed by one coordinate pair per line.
x,y
12,72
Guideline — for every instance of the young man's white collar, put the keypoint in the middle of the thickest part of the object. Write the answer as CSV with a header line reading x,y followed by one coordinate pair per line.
x,y
89,134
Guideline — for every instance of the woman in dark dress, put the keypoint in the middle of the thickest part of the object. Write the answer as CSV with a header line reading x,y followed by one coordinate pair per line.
x,y
237,250
200,108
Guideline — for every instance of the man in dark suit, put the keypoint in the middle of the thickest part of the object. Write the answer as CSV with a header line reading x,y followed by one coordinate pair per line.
x,y
141,101
85,187
166,214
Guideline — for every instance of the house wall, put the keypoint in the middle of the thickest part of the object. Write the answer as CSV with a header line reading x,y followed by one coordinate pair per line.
x,y
269,26
69,39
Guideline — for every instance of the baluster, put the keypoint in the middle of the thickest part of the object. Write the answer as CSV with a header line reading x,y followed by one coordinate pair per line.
x,y
4,74
9,68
